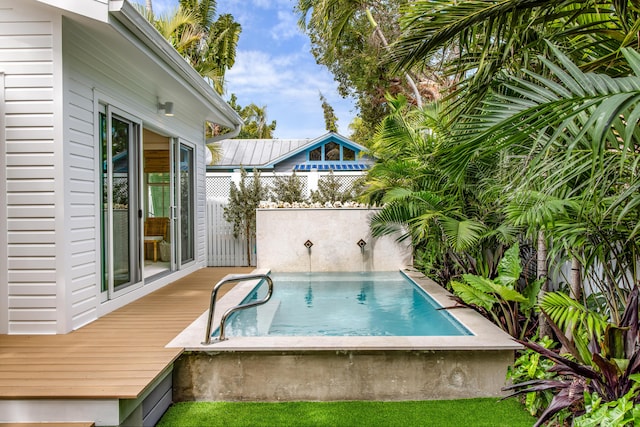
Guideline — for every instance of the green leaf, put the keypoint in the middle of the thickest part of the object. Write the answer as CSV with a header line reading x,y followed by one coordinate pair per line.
x,y
472,296
531,292
508,294
509,268
462,235
480,283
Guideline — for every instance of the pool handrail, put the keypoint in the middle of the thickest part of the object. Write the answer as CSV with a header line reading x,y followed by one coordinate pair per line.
x,y
231,279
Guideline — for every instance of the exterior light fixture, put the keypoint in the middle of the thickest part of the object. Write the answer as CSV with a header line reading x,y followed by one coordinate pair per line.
x,y
167,107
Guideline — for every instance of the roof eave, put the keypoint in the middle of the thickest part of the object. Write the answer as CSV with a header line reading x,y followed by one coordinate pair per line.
x,y
134,22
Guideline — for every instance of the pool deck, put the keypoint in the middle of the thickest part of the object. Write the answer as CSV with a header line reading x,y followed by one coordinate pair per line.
x,y
486,336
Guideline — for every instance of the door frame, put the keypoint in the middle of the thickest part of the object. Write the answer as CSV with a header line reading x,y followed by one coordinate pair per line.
x,y
136,236
178,143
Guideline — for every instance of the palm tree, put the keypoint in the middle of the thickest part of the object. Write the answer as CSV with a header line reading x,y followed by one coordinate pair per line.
x,y
255,119
209,45
454,229
218,39
177,28
332,18
577,137
493,37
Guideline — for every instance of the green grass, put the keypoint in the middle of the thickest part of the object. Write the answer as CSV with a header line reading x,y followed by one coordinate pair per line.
x,y
437,413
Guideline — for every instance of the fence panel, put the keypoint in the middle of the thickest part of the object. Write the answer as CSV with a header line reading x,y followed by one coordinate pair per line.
x,y
224,250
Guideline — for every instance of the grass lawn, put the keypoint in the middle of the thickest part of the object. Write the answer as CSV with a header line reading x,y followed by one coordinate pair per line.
x,y
467,412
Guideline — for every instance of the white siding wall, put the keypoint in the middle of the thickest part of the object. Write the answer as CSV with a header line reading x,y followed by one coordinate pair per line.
x,y
51,213
27,43
95,72
81,186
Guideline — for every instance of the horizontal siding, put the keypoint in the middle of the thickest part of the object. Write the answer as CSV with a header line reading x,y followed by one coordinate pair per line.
x,y
81,187
26,56
25,250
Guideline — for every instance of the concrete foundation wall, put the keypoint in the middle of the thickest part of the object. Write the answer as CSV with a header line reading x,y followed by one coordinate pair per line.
x,y
340,375
281,235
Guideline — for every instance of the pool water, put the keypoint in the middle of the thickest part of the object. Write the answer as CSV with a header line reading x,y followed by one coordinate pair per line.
x,y
343,304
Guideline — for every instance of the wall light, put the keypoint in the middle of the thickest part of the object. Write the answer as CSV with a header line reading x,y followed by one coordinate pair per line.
x,y
167,107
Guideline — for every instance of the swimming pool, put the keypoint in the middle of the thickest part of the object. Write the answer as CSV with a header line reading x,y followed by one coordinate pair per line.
x,y
343,304
345,367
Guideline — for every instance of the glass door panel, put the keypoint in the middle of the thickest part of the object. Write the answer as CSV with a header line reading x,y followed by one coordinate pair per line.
x,y
186,203
119,195
121,202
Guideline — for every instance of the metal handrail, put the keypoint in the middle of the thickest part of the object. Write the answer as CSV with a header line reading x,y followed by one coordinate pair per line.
x,y
226,314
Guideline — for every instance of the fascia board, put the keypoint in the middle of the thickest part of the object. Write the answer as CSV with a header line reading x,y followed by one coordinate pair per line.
x,y
317,141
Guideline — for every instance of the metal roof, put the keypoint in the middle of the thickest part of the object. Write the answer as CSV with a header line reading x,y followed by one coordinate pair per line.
x,y
266,153
256,152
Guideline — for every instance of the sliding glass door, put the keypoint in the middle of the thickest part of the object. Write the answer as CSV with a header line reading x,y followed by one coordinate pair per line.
x,y
120,197
147,194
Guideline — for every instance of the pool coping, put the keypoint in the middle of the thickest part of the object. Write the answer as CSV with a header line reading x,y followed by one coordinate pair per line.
x,y
486,335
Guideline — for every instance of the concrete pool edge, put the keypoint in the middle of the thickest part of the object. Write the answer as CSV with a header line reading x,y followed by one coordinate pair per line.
x,y
486,335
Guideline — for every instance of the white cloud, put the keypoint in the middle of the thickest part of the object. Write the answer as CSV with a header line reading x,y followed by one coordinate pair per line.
x,y
289,86
249,4
276,69
287,26
258,72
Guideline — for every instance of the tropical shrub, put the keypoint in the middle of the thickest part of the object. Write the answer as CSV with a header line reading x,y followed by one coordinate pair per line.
x,y
244,199
288,189
504,300
330,189
530,365
454,227
619,413
589,382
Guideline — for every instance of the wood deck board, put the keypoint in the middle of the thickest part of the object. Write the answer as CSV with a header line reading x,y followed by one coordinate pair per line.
x,y
116,356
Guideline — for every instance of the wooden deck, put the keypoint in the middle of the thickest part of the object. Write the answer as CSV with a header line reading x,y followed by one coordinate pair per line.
x,y
116,356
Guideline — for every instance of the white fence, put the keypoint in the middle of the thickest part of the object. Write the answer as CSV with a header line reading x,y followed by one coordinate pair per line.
x,y
223,250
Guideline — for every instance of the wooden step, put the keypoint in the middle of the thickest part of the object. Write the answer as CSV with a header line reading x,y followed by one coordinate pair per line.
x,y
43,424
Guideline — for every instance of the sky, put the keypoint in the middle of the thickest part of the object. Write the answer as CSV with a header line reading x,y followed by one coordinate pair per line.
x,y
275,68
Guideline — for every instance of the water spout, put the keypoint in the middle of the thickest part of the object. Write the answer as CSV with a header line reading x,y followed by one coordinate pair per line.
x,y
308,245
362,244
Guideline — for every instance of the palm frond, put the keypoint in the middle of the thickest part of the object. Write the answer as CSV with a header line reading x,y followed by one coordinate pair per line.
x,y
462,234
570,314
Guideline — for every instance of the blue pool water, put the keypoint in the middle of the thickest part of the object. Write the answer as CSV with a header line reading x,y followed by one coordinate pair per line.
x,y
343,304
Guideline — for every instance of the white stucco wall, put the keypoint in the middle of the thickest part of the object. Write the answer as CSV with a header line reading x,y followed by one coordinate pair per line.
x,y
281,235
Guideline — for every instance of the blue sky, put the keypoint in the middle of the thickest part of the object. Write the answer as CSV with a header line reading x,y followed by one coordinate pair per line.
x,y
274,68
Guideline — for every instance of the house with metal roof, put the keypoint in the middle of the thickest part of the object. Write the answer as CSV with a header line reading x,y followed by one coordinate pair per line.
x,y
330,156
331,151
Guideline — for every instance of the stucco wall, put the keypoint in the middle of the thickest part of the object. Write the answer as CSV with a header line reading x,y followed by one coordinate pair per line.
x,y
340,375
281,235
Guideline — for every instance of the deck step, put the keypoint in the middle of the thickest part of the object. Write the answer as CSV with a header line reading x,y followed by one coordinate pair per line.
x,y
44,424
